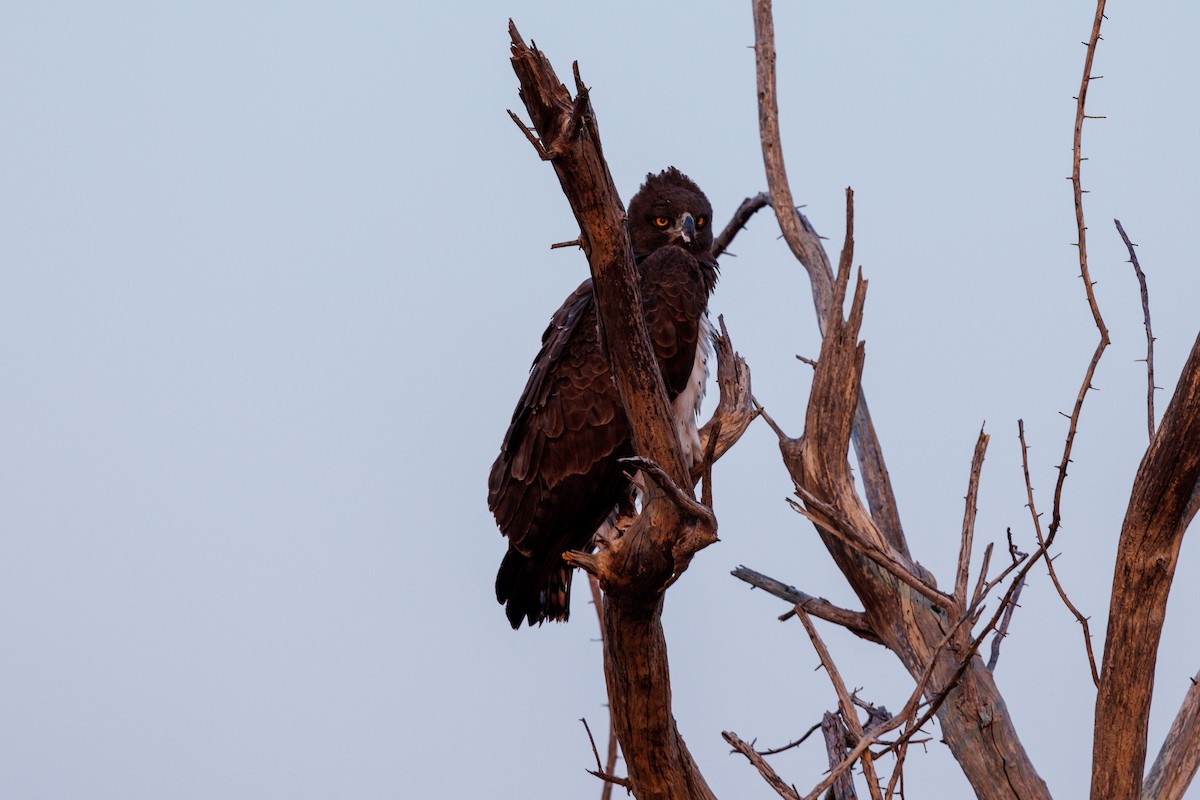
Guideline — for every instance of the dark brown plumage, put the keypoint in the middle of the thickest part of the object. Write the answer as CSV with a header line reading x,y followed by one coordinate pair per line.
x,y
558,475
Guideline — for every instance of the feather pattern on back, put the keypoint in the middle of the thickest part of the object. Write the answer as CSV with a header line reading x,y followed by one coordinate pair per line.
x,y
558,475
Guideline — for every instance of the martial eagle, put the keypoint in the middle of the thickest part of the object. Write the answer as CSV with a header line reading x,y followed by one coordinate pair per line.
x,y
558,475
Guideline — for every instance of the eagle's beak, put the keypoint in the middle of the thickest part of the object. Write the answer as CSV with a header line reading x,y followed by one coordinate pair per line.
x,y
687,228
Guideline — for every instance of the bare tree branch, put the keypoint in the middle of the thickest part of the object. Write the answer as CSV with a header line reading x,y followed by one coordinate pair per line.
x,y
766,770
1005,621
1162,504
741,216
836,734
974,721
853,621
849,716
1044,546
610,760
602,773
790,745
828,519
905,716
1179,757
1081,230
806,245
635,568
968,531
896,782
1141,276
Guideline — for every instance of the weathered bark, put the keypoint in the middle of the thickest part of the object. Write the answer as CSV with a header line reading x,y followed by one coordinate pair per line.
x,y
804,243
1179,757
974,719
635,568
1165,496
834,732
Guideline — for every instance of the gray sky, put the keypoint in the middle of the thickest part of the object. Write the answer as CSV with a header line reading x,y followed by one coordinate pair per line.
x,y
272,278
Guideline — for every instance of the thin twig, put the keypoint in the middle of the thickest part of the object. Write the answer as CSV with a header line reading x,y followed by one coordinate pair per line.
x,y
610,761
790,745
604,775
1002,630
743,214
1044,545
987,560
844,702
854,621
762,412
543,154
1141,276
897,773
829,519
764,769
907,713
1084,274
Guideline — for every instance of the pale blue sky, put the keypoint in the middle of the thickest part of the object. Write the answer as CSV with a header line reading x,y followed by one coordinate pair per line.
x,y
272,277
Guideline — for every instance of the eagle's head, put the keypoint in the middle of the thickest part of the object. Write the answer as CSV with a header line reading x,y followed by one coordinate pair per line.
x,y
670,209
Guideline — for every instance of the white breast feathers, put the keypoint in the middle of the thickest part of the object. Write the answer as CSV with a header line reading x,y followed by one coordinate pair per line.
x,y
686,406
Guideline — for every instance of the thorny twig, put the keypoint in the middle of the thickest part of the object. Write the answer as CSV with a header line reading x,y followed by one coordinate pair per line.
x,y
1001,632
907,713
844,702
1084,274
1141,276
766,770
1044,544
790,745
740,217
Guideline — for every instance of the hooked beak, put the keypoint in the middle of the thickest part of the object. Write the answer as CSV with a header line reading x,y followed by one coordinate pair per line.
x,y
687,228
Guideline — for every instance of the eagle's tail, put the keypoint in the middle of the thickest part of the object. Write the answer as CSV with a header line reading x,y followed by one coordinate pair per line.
x,y
531,590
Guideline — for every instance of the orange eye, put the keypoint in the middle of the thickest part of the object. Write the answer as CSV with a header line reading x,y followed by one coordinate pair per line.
x,y
662,222
700,222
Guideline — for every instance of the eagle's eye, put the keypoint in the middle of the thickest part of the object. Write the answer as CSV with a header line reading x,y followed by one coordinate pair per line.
x,y
662,222
700,222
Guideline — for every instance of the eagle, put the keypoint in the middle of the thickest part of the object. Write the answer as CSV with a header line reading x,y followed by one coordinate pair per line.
x,y
559,474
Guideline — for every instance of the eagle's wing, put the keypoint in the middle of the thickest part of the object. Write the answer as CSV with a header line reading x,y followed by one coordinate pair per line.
x,y
557,476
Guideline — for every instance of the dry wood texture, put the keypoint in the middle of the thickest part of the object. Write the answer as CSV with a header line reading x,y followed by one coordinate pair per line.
x,y
1176,764
909,620
635,568
1165,497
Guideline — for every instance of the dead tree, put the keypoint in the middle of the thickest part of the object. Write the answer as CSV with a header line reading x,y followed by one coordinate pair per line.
x,y
937,634
634,569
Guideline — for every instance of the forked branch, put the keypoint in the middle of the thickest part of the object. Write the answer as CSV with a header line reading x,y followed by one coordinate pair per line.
x,y
637,567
